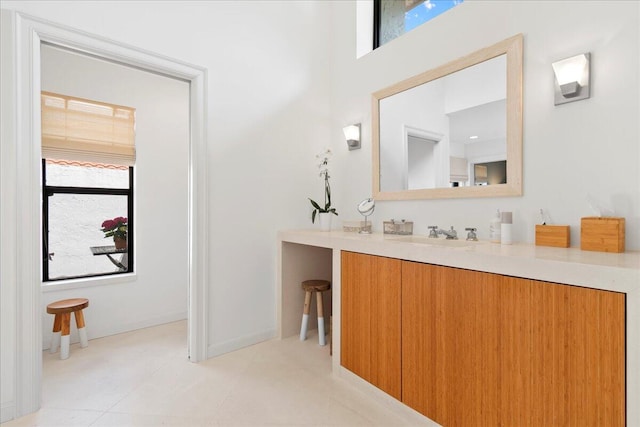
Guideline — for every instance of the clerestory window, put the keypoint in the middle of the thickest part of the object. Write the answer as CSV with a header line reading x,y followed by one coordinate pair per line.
x,y
393,18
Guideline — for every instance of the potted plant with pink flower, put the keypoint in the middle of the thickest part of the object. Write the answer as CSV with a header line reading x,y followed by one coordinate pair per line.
x,y
116,228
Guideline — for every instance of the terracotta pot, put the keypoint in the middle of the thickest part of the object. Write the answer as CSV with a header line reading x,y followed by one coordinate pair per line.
x,y
120,242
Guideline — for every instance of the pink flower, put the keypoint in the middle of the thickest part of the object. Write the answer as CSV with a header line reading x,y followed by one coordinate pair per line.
x,y
116,228
109,224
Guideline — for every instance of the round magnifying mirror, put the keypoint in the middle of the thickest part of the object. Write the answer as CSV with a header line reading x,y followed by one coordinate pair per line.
x,y
366,208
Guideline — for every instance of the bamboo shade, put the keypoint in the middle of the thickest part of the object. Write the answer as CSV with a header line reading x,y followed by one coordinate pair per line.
x,y
458,169
84,130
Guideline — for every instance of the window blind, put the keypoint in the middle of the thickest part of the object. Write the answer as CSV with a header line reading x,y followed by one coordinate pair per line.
x,y
85,130
458,169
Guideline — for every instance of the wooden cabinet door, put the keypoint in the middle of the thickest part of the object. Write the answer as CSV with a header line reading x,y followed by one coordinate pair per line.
x,y
370,319
578,349
465,346
422,352
355,323
485,349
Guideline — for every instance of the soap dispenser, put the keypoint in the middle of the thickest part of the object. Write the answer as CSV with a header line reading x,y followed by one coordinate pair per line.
x,y
494,228
505,228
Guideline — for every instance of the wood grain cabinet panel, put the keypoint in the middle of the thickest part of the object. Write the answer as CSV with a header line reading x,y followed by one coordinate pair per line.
x,y
355,314
578,348
464,346
370,325
467,348
422,377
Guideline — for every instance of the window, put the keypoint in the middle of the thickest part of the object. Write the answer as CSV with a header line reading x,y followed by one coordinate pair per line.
x,y
88,188
77,198
393,18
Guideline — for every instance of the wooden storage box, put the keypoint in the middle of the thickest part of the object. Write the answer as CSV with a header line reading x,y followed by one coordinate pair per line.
x,y
602,234
553,235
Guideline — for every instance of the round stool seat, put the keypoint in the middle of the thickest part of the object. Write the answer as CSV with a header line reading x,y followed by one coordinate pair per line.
x,y
67,305
62,324
316,285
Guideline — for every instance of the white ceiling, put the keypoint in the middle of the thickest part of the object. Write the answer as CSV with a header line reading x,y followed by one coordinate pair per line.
x,y
487,121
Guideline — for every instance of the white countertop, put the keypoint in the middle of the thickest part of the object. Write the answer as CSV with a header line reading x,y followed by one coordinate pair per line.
x,y
599,270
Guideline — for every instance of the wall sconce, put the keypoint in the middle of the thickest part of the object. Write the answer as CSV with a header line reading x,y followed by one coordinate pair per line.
x,y
352,135
572,79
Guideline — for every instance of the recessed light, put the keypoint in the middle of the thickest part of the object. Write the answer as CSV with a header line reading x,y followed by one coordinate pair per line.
x,y
473,137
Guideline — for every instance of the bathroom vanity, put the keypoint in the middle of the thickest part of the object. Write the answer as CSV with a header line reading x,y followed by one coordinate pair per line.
x,y
475,333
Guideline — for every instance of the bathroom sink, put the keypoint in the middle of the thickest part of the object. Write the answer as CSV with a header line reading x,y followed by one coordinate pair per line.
x,y
424,240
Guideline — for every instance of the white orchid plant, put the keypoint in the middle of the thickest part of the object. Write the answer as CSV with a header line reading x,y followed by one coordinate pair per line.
x,y
323,166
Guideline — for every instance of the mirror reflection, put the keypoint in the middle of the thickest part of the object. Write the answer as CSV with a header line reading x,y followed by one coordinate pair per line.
x,y
449,131
434,134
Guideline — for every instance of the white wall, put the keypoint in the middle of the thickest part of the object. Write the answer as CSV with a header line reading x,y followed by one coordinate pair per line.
x,y
8,232
157,293
571,150
409,109
463,89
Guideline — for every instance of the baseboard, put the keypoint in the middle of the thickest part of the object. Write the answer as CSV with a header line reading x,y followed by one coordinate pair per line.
x,y
109,330
7,411
238,343
410,415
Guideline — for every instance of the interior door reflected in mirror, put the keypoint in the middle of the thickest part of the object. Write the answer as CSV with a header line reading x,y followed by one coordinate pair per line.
x,y
455,131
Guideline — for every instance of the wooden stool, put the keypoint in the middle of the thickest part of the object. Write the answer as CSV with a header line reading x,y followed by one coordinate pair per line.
x,y
61,324
311,286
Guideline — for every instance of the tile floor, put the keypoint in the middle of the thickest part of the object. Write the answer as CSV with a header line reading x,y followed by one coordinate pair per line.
x,y
143,378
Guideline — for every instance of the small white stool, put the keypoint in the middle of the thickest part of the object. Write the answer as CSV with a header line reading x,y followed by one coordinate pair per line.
x,y
62,324
311,286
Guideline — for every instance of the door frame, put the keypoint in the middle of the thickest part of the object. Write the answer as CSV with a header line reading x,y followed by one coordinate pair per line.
x,y
30,32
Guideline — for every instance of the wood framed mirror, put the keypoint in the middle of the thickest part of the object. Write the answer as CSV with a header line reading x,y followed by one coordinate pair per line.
x,y
454,131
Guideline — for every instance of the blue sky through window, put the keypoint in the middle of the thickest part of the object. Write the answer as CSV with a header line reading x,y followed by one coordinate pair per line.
x,y
427,10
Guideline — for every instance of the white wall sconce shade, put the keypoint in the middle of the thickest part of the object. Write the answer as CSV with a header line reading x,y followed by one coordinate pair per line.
x,y
352,135
572,79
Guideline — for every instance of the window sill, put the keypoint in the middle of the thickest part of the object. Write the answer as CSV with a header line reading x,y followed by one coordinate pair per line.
x,y
62,285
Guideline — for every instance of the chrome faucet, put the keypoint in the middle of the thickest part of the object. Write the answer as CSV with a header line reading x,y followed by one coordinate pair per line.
x,y
471,235
433,231
451,234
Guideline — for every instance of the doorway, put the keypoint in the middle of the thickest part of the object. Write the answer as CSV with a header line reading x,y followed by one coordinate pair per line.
x,y
30,33
155,290
421,163
422,158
